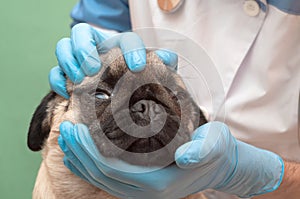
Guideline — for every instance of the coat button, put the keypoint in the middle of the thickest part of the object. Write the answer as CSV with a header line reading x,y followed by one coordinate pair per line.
x,y
251,8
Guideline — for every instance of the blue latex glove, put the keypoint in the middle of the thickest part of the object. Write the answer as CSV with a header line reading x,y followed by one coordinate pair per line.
x,y
78,56
213,159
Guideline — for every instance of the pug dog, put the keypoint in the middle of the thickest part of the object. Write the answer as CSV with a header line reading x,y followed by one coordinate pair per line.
x,y
140,118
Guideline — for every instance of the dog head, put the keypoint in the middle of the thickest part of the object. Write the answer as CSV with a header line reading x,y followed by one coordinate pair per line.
x,y
141,118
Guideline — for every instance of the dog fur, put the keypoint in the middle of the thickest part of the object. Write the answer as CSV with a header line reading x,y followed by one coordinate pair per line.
x,y
54,180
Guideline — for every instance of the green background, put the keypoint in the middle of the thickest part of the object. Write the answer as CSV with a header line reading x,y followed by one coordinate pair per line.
x,y
29,32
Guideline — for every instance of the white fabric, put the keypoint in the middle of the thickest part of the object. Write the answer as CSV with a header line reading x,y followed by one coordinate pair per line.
x,y
257,57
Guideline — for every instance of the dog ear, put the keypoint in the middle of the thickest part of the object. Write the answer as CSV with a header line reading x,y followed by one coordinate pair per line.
x,y
202,118
39,128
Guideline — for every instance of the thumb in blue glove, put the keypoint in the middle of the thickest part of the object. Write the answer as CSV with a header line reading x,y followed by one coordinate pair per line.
x,y
229,165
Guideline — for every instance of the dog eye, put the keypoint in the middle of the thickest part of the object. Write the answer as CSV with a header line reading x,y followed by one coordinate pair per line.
x,y
102,95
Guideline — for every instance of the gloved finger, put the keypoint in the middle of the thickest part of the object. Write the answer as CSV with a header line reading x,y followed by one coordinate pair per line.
x,y
58,82
73,168
74,151
168,58
204,147
69,155
84,139
187,155
191,189
134,51
209,128
67,61
134,180
73,163
76,154
84,39
132,46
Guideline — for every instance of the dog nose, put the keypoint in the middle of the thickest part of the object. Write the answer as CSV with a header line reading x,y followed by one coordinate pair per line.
x,y
146,110
141,106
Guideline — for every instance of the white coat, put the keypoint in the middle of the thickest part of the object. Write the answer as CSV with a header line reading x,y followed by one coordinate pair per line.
x,y
257,58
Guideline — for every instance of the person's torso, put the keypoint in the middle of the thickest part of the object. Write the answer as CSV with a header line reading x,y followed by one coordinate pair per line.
x,y
256,57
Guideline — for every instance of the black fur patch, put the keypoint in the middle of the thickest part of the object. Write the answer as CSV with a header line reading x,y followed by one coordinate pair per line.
x,y
39,126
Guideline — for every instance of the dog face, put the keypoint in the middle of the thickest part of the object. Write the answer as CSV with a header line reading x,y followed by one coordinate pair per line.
x,y
141,118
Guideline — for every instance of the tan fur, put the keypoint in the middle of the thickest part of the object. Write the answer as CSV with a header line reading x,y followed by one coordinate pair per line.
x,y
54,180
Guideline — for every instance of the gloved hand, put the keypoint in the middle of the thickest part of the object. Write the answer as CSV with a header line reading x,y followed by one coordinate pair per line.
x,y
213,159
78,56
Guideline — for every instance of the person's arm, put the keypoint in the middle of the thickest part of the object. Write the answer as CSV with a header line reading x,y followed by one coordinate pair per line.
x,y
290,186
109,15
